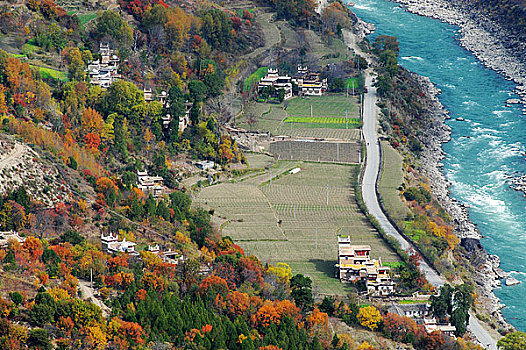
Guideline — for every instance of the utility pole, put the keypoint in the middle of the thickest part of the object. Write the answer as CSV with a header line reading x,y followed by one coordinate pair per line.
x,y
327,196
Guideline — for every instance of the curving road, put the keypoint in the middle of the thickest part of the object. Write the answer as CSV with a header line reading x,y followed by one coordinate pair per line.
x,y
372,170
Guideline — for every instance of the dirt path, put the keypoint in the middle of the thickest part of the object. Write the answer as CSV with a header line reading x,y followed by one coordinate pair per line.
x,y
87,294
271,34
13,157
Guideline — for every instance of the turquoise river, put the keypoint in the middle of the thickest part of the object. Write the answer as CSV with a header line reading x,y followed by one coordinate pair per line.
x,y
485,148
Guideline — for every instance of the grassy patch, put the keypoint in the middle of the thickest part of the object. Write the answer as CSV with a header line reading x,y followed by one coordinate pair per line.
x,y
323,106
394,264
254,78
328,122
352,83
390,179
86,17
49,73
409,301
30,48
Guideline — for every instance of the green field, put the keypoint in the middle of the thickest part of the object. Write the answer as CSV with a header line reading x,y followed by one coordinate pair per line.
x,y
352,83
390,179
324,106
328,122
48,73
86,17
254,78
295,218
275,118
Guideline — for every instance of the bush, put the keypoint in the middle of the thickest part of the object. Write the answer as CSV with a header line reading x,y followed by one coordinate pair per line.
x,y
72,163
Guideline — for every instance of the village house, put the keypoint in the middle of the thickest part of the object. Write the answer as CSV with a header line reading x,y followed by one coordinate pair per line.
x,y
355,264
431,325
111,244
168,257
184,120
149,96
273,80
309,83
421,314
150,184
414,311
104,72
205,164
10,236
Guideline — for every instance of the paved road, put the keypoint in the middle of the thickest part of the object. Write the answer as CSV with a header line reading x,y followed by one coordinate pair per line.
x,y
371,174
372,169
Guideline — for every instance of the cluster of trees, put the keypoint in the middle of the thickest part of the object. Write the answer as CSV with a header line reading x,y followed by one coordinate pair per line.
x,y
297,12
453,304
387,49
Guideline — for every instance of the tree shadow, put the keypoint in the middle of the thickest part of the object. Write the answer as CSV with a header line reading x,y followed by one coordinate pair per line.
x,y
325,266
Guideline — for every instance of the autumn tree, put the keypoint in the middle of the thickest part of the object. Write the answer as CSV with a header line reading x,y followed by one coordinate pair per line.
x,y
266,315
92,121
112,28
369,317
401,328
513,341
213,284
216,28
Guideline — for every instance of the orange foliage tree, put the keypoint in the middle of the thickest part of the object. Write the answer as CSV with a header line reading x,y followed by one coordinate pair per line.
x,y
266,315
215,284
237,303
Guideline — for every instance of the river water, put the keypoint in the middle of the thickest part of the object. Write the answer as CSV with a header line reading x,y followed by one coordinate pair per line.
x,y
484,148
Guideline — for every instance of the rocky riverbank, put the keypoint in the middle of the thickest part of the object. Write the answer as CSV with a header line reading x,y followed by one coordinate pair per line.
x,y
486,274
487,40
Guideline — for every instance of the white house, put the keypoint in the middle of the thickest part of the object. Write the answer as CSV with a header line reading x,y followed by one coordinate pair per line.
x,y
310,83
9,236
150,184
111,244
205,164
104,72
273,79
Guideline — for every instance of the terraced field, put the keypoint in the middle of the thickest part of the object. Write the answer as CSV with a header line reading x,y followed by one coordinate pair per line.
x,y
296,218
341,134
293,117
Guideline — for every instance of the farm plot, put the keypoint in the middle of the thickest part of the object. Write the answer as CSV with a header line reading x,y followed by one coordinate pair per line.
x,y
258,160
245,208
324,106
263,117
326,122
317,151
309,210
391,178
339,134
